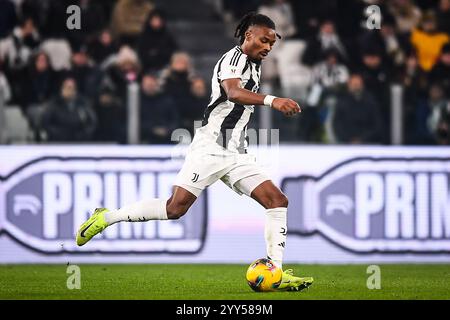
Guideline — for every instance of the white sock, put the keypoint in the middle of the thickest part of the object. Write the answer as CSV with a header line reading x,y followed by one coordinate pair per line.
x,y
275,234
145,210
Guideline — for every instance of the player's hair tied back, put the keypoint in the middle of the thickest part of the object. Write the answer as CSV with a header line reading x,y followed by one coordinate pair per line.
x,y
250,19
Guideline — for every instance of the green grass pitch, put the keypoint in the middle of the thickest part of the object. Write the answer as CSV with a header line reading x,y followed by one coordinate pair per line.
x,y
195,281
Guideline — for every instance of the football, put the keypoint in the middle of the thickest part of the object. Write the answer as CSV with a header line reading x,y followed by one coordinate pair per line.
x,y
263,275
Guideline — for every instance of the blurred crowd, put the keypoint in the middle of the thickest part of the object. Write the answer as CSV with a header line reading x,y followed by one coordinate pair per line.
x,y
71,85
347,67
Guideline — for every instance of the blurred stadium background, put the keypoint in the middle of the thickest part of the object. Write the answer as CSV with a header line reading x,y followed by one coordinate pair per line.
x,y
87,116
342,73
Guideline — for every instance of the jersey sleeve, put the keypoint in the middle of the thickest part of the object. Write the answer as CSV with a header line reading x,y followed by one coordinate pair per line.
x,y
233,65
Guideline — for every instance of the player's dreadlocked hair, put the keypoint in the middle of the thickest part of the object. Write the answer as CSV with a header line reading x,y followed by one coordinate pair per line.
x,y
251,19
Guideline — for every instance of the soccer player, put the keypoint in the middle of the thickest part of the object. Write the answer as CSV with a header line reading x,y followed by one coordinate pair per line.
x,y
218,150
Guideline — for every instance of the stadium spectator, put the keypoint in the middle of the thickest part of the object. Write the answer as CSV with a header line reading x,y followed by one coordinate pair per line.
x,y
124,70
407,15
374,70
102,47
111,112
327,38
159,116
443,16
280,11
8,17
128,19
85,73
15,51
387,40
59,52
438,115
41,80
441,70
376,81
413,78
415,85
428,42
328,78
156,44
196,104
69,117
356,119
330,74
176,79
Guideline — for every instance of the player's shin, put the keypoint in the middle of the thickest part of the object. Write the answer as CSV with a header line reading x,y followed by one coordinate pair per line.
x,y
145,210
275,234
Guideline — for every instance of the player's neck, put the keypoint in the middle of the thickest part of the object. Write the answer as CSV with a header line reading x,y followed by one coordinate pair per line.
x,y
245,50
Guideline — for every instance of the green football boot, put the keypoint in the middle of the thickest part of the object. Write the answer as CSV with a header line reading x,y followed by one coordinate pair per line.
x,y
289,282
94,225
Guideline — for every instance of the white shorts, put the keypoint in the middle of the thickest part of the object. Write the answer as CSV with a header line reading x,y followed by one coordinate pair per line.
x,y
240,172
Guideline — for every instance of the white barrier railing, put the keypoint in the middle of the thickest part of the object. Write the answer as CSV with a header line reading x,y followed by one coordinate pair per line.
x,y
396,114
133,108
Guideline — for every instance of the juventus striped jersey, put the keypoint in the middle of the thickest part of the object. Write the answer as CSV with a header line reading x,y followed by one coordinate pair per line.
x,y
224,122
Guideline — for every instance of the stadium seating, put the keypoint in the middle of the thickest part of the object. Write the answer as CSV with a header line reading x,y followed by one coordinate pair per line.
x,y
17,129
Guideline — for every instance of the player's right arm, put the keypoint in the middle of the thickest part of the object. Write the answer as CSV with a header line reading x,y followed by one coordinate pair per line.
x,y
230,72
237,94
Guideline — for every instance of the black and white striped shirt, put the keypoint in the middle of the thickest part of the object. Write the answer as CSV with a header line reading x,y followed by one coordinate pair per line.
x,y
224,122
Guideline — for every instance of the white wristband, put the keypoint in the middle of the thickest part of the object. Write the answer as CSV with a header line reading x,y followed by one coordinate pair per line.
x,y
268,100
